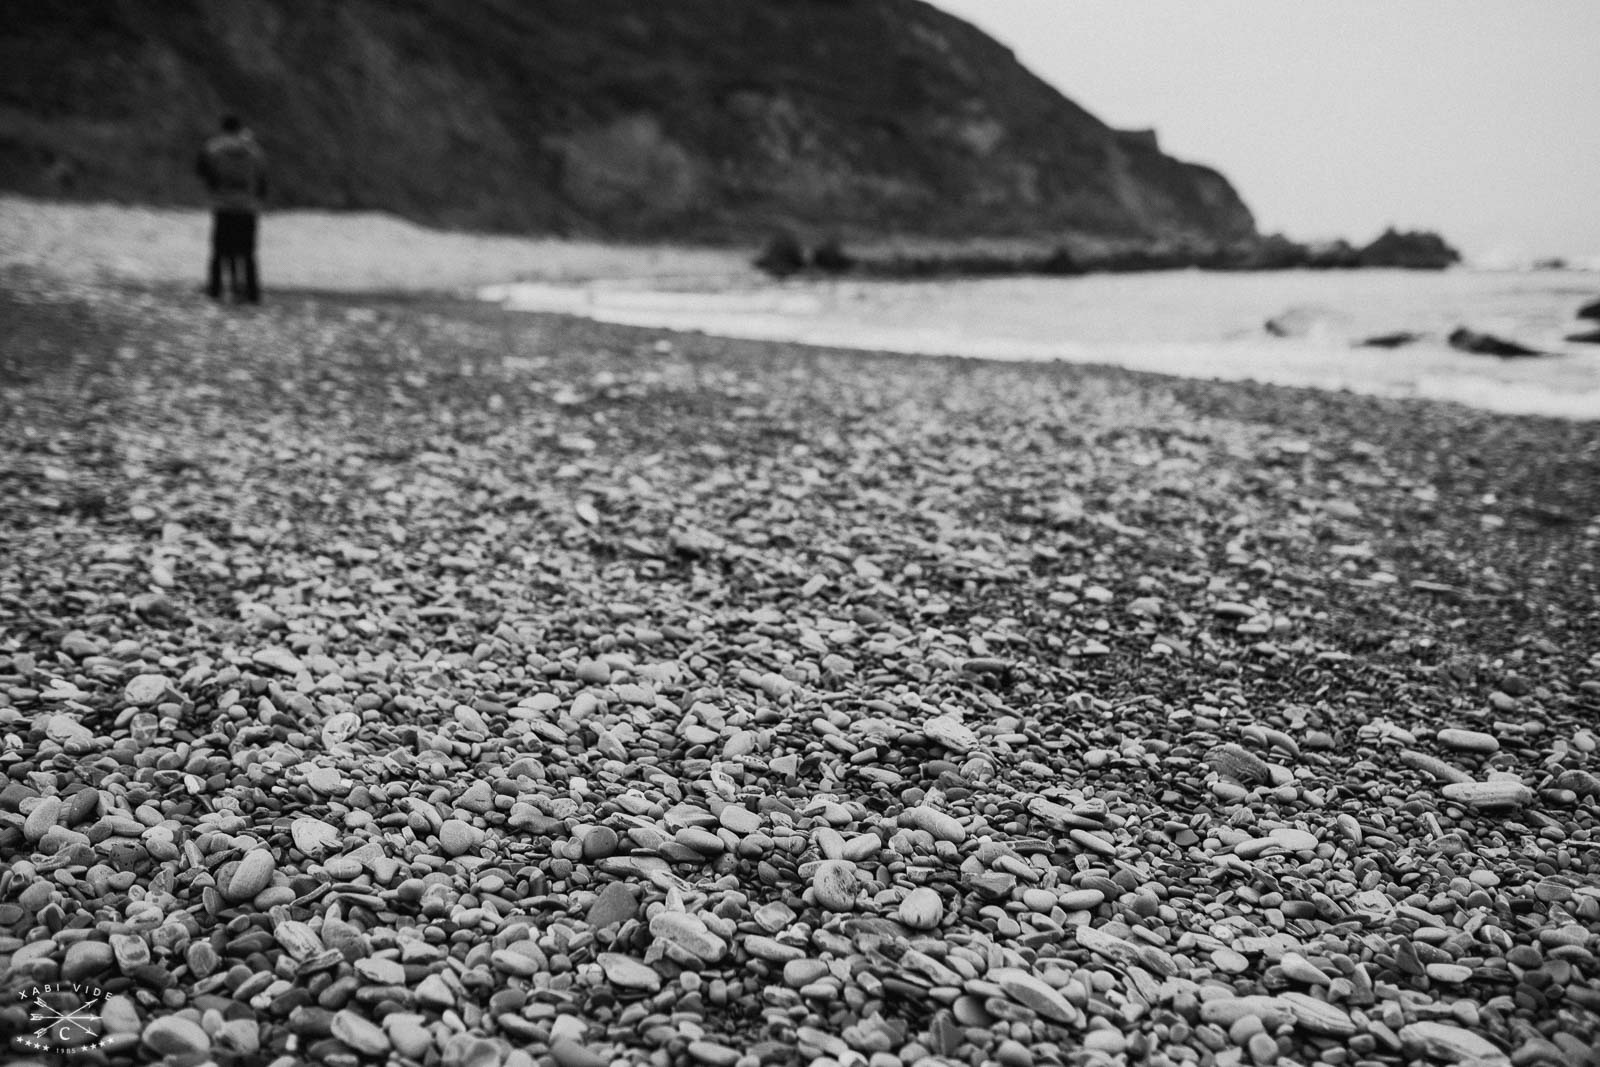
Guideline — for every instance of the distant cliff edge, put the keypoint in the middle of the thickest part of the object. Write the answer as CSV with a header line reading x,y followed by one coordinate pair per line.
x,y
695,120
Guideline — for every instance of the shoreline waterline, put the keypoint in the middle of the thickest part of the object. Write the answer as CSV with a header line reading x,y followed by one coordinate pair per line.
x,y
1191,324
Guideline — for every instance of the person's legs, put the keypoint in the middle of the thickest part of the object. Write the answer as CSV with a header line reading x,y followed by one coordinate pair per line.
x,y
214,269
236,230
252,280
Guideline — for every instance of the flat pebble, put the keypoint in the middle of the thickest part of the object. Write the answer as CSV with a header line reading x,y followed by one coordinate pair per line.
x,y
1468,740
942,825
361,1034
628,973
173,1035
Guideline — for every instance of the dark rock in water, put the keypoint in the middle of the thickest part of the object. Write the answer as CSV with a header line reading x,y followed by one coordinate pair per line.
x,y
1590,337
782,256
831,258
1486,344
1390,340
1412,250
1062,262
1591,310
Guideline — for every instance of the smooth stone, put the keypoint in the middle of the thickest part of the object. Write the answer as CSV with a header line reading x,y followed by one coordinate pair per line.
x,y
408,1034
835,885
1229,961
599,842
146,689
1034,993
1263,1049
739,820
381,971
1450,973
278,659
173,1035
457,837
1106,1040
594,672
252,875
515,963
1294,840
1468,740
1298,968
689,934
701,840
1449,1043
773,916
1319,1016
616,903
713,1054
922,909
1225,1011
434,993
771,949
1092,842
130,950
313,837
70,734
44,817
359,1033
1013,1053
86,960
942,825
1081,899
800,973
628,973
568,1053
325,780
1038,900
120,1015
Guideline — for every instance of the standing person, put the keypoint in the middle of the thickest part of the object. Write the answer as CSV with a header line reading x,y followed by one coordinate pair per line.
x,y
235,171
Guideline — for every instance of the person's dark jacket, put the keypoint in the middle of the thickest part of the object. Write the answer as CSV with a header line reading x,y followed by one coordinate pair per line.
x,y
234,168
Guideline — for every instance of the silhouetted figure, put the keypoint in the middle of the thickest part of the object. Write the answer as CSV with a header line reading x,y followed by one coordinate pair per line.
x,y
235,171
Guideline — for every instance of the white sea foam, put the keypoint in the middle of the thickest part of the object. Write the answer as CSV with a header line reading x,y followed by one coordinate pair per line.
x,y
1190,323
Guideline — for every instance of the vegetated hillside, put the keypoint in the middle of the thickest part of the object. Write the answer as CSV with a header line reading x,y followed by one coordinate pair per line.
x,y
689,119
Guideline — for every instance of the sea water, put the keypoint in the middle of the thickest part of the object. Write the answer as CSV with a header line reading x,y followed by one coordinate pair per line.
x,y
1192,323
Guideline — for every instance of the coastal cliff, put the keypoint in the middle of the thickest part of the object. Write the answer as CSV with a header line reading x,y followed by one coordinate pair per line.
x,y
699,120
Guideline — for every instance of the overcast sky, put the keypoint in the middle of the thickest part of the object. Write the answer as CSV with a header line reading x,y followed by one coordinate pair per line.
x,y
1477,118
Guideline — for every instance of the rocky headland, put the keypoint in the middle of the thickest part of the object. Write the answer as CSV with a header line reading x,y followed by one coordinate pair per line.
x,y
699,120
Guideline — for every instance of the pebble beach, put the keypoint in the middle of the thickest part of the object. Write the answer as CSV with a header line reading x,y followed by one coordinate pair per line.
x,y
409,680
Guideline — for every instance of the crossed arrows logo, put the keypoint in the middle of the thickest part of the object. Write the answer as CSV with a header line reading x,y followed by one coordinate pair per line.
x,y
79,1018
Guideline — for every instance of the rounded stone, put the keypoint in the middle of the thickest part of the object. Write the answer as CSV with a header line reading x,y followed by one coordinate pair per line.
x,y
568,1053
173,1035
835,885
86,960
922,909
146,689
701,840
800,973
739,820
457,837
599,842
360,1033
942,825
1263,1049
252,875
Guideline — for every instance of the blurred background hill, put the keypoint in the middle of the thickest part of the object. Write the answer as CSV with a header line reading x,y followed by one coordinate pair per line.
x,y
695,120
